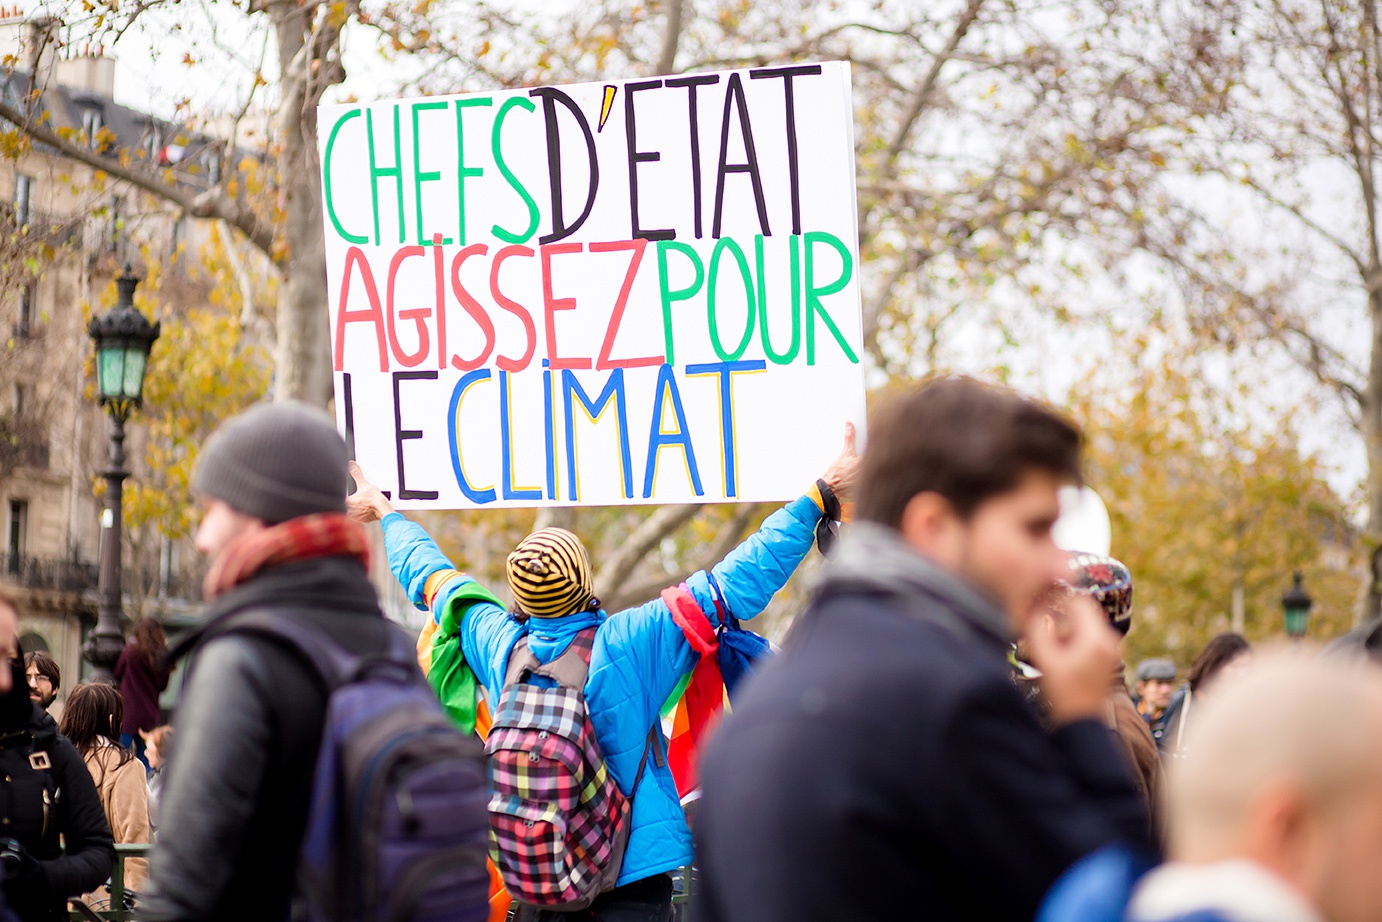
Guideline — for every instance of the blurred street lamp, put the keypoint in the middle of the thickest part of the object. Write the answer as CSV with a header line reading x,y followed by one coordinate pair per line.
x,y
123,338
1296,604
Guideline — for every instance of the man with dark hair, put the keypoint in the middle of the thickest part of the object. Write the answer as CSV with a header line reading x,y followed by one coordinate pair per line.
x,y
885,764
45,679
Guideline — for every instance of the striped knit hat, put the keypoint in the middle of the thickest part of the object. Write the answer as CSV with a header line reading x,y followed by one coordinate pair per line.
x,y
549,573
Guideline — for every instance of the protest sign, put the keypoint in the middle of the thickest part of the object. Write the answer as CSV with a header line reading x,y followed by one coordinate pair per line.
x,y
634,292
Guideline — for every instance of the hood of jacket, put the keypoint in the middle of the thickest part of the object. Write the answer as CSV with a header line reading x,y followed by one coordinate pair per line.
x,y
1238,890
874,558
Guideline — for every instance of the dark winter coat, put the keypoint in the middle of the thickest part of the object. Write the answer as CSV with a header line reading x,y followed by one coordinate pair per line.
x,y
885,766
39,808
236,788
140,682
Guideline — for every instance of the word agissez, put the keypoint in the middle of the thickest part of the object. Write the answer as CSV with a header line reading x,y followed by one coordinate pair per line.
x,y
730,263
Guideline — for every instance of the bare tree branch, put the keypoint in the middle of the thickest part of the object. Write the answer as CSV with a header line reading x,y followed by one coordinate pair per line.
x,y
213,203
622,563
726,541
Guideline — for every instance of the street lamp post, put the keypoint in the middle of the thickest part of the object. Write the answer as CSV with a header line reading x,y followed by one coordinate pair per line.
x,y
1296,604
123,338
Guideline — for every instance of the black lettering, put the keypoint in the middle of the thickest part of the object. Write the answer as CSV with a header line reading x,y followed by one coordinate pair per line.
x,y
402,435
691,83
734,98
787,73
550,97
635,158
348,398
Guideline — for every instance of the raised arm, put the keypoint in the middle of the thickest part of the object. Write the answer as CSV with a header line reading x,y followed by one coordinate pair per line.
x,y
647,640
432,582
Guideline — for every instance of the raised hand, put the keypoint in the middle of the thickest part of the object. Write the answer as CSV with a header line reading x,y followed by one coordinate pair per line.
x,y
368,503
844,469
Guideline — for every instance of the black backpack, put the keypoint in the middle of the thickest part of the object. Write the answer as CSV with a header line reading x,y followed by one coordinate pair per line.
x,y
397,828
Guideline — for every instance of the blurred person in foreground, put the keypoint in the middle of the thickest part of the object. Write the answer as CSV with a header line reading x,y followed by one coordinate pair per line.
x,y
1277,820
233,812
885,764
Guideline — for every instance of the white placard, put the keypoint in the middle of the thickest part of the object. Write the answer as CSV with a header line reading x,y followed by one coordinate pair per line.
x,y
633,292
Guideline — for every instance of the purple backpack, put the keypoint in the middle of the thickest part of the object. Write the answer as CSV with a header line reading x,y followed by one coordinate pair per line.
x,y
397,829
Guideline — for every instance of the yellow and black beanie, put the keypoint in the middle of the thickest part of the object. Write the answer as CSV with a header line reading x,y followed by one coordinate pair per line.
x,y
549,573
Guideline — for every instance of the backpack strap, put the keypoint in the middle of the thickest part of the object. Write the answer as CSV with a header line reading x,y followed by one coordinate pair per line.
x,y
335,665
569,670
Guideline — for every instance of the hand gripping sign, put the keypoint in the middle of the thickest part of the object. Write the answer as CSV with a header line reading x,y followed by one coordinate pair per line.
x,y
635,292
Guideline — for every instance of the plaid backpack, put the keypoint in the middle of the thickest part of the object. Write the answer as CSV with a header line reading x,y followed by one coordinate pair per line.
x,y
558,821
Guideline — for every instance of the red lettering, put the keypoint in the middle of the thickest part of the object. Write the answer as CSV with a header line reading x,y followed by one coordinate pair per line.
x,y
439,280
355,257
472,307
551,305
604,362
415,314
513,307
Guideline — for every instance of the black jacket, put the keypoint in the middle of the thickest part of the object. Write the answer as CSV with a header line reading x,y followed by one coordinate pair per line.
x,y
248,727
43,806
885,766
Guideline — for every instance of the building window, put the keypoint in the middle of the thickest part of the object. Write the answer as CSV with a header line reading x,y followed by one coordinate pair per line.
x,y
28,300
23,198
14,544
91,124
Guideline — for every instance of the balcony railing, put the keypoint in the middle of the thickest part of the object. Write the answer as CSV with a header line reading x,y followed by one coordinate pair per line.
x,y
62,575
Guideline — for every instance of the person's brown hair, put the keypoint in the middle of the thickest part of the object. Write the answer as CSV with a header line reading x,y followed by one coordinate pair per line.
x,y
963,439
94,711
149,640
1218,653
46,666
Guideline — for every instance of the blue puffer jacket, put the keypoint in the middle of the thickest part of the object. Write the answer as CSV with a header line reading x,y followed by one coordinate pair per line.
x,y
639,657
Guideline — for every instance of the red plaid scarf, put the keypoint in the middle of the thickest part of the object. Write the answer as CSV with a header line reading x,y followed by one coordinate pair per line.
x,y
327,534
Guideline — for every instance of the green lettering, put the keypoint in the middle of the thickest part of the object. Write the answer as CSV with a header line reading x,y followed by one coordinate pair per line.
x,y
723,245
326,181
785,358
512,180
814,306
671,295
464,172
419,177
377,172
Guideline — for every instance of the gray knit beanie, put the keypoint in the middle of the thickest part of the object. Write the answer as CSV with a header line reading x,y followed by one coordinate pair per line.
x,y
276,461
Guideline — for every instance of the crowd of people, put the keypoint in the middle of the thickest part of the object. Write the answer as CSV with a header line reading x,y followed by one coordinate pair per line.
x,y
948,731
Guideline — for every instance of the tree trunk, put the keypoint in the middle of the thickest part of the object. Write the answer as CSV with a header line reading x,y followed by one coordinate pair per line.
x,y
302,357
1372,437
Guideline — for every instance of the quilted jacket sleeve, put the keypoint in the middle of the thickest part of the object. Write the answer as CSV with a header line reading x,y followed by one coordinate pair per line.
x,y
646,650
487,633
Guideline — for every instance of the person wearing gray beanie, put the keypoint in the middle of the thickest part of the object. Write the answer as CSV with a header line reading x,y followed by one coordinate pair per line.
x,y
275,462
271,483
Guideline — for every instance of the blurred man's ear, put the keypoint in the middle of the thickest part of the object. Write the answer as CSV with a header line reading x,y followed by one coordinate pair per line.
x,y
931,525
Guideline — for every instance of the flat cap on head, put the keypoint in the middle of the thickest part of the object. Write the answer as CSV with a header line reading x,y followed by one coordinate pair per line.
x,y
1156,669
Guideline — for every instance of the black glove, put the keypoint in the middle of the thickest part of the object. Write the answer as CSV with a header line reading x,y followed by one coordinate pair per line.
x,y
828,528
